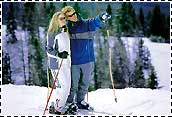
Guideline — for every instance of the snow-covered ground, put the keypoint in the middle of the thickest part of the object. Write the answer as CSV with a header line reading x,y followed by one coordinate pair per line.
x,y
30,100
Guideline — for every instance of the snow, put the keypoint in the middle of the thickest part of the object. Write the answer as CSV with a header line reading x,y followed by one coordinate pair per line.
x,y
31,100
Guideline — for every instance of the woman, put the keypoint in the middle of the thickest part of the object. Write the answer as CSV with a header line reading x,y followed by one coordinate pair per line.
x,y
58,48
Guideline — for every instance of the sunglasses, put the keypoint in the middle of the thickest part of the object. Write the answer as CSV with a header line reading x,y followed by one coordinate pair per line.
x,y
72,14
62,18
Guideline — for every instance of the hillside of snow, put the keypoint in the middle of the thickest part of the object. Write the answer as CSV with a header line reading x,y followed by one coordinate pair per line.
x,y
30,100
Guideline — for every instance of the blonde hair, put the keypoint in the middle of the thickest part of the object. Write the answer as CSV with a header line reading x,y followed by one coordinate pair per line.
x,y
67,9
54,25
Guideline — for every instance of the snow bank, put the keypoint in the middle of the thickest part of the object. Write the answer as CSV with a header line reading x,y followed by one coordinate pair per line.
x,y
30,100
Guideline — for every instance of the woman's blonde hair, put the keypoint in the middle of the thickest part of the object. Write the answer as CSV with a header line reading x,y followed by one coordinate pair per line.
x,y
54,25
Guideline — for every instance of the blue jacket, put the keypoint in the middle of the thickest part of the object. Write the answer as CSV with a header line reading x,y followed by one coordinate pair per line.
x,y
82,43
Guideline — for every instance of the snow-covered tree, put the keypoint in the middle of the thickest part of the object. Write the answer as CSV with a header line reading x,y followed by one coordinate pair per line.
x,y
138,79
142,20
120,65
152,80
11,25
102,65
6,70
37,75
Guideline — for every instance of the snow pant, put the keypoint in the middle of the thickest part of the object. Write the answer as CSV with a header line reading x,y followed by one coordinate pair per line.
x,y
63,84
79,85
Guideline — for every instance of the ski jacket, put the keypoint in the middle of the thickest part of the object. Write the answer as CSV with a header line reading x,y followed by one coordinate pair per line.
x,y
82,35
57,42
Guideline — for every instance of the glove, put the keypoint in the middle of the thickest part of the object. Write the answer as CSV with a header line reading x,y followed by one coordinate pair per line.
x,y
104,17
63,54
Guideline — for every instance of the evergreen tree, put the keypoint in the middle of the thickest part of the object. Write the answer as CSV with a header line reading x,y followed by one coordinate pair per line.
x,y
146,58
77,7
167,29
138,79
51,9
120,65
102,76
109,11
144,54
148,24
157,25
6,71
11,25
37,76
152,80
117,24
135,22
96,84
83,13
43,19
142,20
125,19
64,4
28,26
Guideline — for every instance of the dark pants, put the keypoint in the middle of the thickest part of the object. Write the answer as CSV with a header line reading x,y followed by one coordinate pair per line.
x,y
79,85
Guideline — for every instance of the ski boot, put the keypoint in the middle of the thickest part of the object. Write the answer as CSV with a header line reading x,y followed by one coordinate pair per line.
x,y
84,105
72,109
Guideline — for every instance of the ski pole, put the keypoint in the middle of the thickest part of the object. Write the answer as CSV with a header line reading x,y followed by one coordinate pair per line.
x,y
53,86
87,96
110,69
48,78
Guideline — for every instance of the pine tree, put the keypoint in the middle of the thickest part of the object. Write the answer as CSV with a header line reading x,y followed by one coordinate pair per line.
x,y
37,75
157,25
101,64
51,9
153,80
138,79
83,13
96,84
120,65
11,25
43,19
167,31
148,24
109,11
144,54
142,20
64,4
146,58
77,7
134,22
6,70
125,19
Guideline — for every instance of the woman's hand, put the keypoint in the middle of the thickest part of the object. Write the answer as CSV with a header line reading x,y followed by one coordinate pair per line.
x,y
63,55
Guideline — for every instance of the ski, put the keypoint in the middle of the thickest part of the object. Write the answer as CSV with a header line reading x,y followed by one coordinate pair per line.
x,y
91,112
